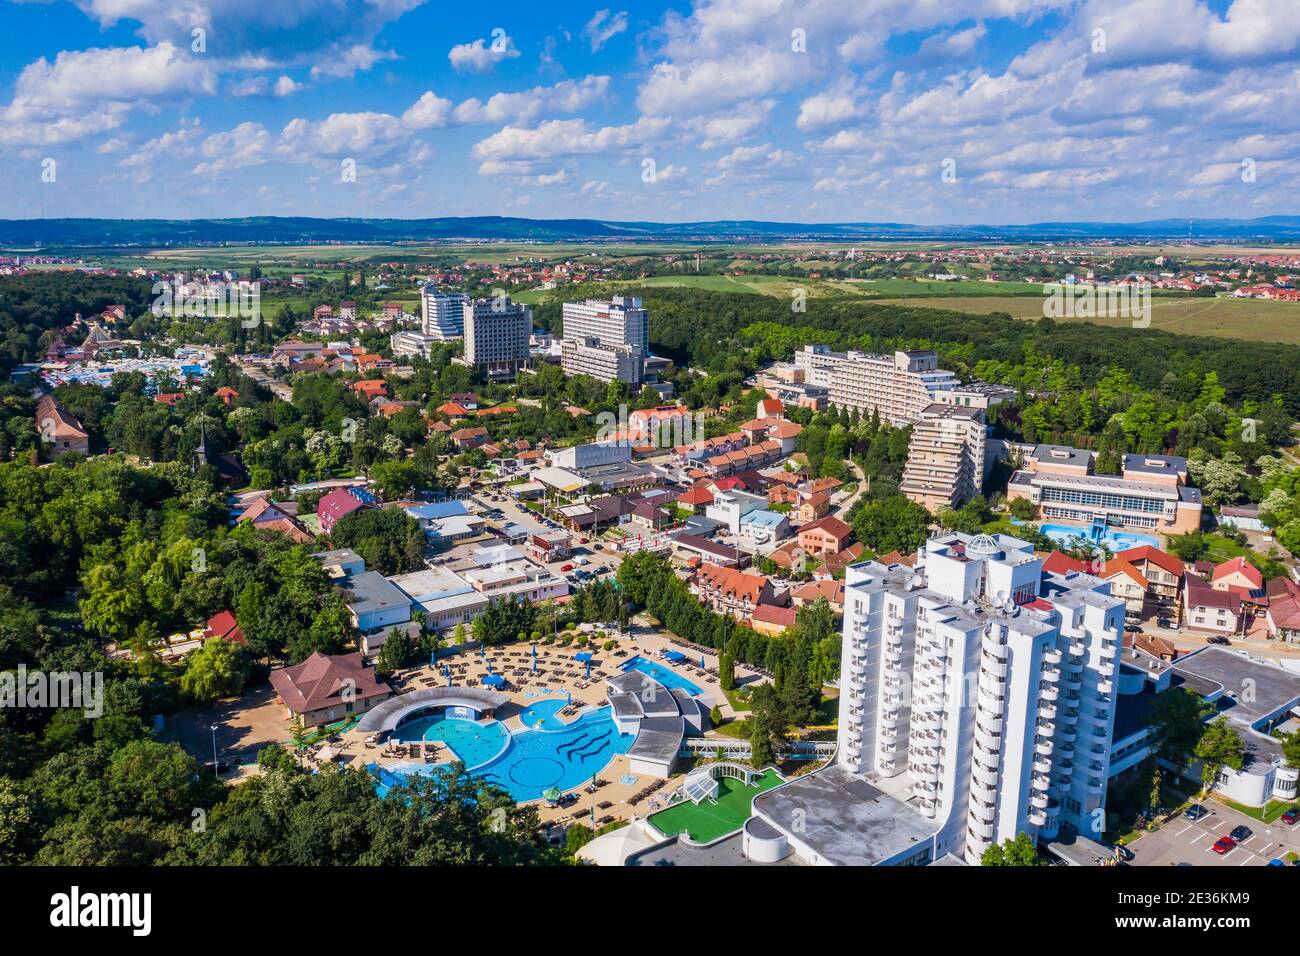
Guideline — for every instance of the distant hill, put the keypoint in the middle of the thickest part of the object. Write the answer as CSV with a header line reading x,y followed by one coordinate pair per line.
x,y
26,233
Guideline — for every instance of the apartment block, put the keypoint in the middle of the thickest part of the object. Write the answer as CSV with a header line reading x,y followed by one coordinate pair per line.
x,y
496,335
945,459
442,314
975,702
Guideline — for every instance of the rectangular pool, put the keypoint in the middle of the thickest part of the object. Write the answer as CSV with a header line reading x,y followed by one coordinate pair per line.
x,y
669,678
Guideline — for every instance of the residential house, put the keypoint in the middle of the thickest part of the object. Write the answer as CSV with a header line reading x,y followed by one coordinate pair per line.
x,y
810,593
335,504
825,535
1164,576
771,620
1126,582
59,429
1206,608
816,506
1283,611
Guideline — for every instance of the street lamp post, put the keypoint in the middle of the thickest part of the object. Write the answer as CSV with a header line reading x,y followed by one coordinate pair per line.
x,y
216,769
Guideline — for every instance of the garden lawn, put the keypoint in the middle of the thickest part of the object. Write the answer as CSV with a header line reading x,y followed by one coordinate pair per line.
x,y
707,821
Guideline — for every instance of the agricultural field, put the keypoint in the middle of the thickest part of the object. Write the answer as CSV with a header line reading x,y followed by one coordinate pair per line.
x,y
1251,320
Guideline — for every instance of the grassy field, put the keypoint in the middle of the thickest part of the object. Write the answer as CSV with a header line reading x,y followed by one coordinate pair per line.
x,y
1251,320
706,821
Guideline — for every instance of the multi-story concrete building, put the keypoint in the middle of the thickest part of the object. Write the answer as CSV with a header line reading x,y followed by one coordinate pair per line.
x,y
1151,493
898,387
605,363
973,700
608,340
496,335
945,459
619,321
442,314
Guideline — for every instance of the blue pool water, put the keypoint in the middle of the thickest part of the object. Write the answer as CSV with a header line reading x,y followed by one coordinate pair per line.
x,y
663,675
1115,540
545,712
473,743
536,760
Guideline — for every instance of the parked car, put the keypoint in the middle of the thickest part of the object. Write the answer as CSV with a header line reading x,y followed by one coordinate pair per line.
x,y
566,568
1168,625
1276,861
1290,817
1218,639
1195,812
1240,834
1224,844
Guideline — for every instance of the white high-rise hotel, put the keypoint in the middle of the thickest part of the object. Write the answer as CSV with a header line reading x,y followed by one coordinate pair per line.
x,y
442,314
970,698
608,340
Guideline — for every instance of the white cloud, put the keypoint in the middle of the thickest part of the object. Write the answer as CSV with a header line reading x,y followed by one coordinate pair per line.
x,y
603,27
86,92
567,96
482,56
566,138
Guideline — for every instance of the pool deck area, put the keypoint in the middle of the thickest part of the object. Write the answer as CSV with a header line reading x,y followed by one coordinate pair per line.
x,y
558,673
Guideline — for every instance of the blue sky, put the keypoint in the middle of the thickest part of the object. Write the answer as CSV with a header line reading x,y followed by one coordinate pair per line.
x,y
928,111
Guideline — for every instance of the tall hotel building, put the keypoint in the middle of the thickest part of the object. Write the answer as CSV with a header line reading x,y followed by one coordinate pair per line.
x,y
898,386
608,340
442,314
945,458
497,335
973,702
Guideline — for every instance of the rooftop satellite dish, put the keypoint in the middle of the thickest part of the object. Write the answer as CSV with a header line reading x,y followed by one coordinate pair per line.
x,y
915,581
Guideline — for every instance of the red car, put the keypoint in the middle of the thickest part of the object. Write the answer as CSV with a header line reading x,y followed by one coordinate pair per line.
x,y
565,569
1291,816
582,541
1224,844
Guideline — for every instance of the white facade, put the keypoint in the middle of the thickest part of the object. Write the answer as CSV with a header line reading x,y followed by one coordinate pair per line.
x,y
619,321
898,387
992,717
605,363
442,314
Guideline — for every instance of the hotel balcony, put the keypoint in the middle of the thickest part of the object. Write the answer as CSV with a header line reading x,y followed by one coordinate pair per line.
x,y
1044,747
980,830
1043,765
1037,817
1048,691
1078,649
1106,685
1047,710
984,812
1052,655
1072,683
1051,674
1039,800
993,665
1109,650
1094,785
984,775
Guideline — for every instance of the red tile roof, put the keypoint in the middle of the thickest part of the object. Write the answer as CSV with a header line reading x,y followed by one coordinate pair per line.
x,y
1161,559
1239,565
320,681
776,616
223,624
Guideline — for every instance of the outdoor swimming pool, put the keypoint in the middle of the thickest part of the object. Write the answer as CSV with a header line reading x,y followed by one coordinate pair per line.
x,y
663,675
544,712
1112,539
536,760
472,743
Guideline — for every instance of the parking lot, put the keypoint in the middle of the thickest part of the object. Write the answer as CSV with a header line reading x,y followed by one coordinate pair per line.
x,y
1183,842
